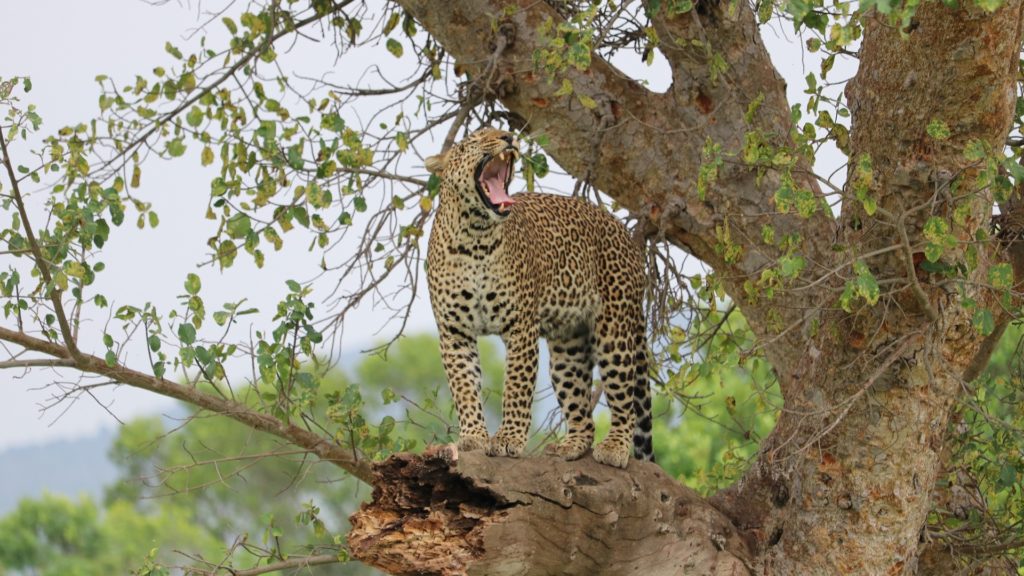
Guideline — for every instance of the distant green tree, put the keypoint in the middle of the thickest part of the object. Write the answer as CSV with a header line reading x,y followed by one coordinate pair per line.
x,y
55,536
727,404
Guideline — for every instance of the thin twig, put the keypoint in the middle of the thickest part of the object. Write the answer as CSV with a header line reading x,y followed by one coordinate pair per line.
x,y
37,255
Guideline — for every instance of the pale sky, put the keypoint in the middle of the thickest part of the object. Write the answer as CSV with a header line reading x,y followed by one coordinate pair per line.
x,y
63,45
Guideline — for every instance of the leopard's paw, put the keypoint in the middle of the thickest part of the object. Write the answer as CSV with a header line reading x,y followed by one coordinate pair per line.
x,y
614,452
472,442
571,448
505,444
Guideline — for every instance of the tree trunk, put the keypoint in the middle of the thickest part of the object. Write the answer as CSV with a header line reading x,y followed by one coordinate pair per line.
x,y
845,479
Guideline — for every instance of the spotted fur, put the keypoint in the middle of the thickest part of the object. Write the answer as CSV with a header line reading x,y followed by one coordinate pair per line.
x,y
549,266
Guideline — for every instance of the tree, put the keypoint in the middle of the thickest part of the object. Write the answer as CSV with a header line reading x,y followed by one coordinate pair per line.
x,y
53,535
875,301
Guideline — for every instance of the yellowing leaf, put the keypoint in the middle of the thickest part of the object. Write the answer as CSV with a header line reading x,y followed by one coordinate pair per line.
x,y
566,88
587,101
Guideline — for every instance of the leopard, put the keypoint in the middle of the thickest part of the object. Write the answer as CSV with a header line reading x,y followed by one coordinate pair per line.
x,y
529,266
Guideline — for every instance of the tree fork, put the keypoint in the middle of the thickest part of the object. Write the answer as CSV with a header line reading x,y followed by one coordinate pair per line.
x,y
450,513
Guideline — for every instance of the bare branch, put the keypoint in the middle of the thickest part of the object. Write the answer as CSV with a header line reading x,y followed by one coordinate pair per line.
x,y
37,363
295,563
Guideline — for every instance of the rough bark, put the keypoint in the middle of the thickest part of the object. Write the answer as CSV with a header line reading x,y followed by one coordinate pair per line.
x,y
450,514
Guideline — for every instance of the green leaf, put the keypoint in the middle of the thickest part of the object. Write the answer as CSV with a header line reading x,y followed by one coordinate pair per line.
x,y
75,270
395,47
268,55
387,424
194,117
332,122
587,101
226,252
172,50
187,333
391,23
976,150
176,147
110,358
565,89
239,225
676,7
1001,276
791,266
295,157
60,279
936,229
870,205
933,252
866,285
938,130
192,284
983,322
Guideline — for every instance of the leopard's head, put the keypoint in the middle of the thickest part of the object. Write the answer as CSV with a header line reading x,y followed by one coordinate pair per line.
x,y
476,172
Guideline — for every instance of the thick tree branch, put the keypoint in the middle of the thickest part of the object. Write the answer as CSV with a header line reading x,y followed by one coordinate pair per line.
x,y
324,448
452,514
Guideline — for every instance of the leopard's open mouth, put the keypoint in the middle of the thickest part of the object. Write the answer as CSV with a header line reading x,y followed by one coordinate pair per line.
x,y
493,176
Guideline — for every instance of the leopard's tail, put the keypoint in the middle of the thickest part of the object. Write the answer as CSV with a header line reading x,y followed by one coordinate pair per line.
x,y
643,448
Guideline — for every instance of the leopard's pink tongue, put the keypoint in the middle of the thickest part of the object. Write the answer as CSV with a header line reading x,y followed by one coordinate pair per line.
x,y
496,191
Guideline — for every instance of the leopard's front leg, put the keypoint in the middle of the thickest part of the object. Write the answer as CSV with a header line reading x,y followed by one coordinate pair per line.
x,y
462,366
517,399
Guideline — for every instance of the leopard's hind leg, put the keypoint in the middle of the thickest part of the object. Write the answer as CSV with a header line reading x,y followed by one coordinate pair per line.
x,y
572,367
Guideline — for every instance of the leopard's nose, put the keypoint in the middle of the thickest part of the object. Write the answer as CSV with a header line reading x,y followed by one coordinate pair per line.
x,y
507,138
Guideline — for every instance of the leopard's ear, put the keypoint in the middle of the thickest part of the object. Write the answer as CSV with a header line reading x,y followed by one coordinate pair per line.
x,y
435,164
